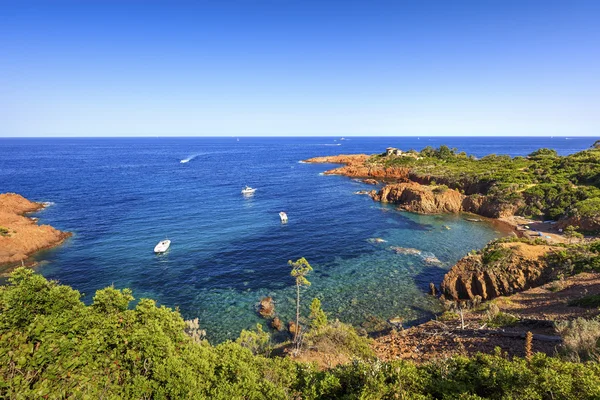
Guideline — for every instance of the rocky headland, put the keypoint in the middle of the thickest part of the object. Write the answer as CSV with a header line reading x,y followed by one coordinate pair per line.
x,y
537,196
21,236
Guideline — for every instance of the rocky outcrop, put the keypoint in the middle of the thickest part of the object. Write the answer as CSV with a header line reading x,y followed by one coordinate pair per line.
x,y
487,207
276,324
585,224
20,236
522,268
355,166
414,197
266,307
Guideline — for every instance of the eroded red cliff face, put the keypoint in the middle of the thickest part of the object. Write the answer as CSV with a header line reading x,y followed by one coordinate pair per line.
x,y
524,268
20,236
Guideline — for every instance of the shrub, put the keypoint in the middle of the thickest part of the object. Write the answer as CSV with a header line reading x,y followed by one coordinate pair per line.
x,y
494,255
257,341
318,318
448,316
590,301
581,338
440,189
496,318
4,231
337,337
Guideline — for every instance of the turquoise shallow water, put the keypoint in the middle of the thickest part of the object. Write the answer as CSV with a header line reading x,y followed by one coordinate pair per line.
x,y
121,196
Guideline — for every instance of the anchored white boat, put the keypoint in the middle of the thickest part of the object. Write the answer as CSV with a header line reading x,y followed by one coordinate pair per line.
x,y
283,217
162,246
248,190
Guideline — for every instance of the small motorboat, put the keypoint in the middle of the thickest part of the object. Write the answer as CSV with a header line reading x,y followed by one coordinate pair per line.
x,y
248,190
162,246
283,216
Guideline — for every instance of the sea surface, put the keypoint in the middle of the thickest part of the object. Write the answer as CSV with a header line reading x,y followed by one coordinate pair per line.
x,y
120,197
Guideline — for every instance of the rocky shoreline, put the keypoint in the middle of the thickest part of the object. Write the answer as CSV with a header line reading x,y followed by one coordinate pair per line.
x,y
21,236
515,268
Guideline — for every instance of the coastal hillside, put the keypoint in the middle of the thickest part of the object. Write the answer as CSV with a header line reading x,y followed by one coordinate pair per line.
x,y
542,186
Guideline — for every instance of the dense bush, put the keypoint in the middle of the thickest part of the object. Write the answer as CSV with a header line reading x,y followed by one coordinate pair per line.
x,y
543,185
54,346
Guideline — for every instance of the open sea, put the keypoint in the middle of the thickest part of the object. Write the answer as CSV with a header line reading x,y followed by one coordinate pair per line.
x,y
120,197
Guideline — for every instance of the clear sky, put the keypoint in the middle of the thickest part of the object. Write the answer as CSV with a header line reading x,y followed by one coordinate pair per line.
x,y
283,67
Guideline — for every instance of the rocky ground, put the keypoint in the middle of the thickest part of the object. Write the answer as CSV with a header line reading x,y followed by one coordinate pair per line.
x,y
21,236
536,310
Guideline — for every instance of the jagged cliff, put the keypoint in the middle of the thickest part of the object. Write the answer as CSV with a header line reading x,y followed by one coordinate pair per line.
x,y
415,197
21,236
505,269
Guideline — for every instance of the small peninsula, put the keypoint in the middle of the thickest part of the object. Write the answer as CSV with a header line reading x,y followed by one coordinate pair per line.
x,y
542,186
21,236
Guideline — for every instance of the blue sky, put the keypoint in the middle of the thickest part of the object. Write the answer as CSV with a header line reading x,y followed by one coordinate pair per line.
x,y
282,67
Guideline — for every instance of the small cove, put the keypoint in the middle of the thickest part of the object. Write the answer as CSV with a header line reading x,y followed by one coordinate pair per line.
x,y
121,196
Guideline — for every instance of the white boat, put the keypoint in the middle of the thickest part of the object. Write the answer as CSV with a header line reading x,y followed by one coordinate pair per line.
x,y
248,190
162,246
283,216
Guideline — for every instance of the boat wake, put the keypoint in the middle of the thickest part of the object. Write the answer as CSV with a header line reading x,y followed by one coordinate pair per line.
x,y
187,160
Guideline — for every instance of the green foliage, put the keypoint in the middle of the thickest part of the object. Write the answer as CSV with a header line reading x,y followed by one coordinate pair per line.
x,y
51,344
581,338
492,255
54,346
502,319
576,258
4,231
543,153
440,189
257,341
588,207
448,316
337,337
589,301
300,268
318,318
543,185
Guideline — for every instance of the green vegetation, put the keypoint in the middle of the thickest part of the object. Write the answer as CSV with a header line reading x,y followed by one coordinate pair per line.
x,y
339,338
502,319
257,341
575,258
4,231
581,339
542,185
318,319
54,346
589,301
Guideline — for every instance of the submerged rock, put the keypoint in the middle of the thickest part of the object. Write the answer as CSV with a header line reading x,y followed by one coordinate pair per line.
x,y
405,250
276,324
292,328
376,240
266,307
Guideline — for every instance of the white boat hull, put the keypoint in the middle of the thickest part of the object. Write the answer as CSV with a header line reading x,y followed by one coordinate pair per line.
x,y
162,246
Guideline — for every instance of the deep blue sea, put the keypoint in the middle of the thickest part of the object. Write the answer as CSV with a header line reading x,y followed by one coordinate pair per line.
x,y
120,197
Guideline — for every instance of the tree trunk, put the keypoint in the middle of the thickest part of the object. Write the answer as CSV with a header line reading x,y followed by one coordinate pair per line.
x,y
297,312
